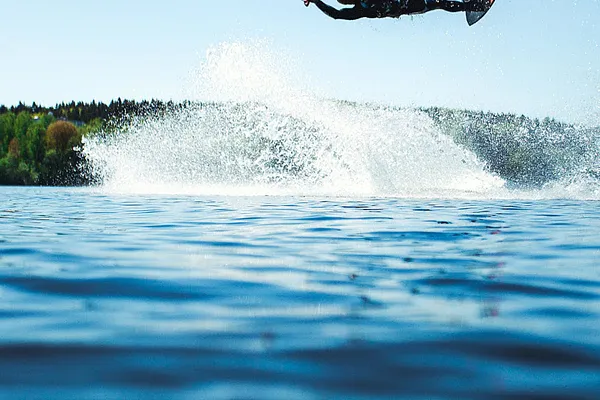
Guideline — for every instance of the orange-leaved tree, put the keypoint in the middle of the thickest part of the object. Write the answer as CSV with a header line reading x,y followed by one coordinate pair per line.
x,y
62,136
13,148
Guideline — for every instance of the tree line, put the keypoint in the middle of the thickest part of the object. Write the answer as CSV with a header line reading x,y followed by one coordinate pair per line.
x,y
524,151
84,113
43,145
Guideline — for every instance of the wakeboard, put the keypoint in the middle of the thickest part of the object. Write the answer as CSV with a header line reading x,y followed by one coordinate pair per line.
x,y
474,16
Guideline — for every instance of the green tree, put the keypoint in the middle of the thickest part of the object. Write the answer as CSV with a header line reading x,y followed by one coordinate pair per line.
x,y
36,146
47,119
12,171
22,123
91,128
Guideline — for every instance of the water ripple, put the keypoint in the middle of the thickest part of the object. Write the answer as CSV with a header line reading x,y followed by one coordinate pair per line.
x,y
110,296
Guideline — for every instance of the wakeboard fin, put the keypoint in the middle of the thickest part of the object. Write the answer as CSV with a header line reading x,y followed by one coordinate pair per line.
x,y
480,8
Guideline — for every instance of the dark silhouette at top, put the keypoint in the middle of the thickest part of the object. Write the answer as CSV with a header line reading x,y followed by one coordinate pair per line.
x,y
395,8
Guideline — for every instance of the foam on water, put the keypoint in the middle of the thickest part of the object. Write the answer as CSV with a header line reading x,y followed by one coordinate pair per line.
x,y
257,133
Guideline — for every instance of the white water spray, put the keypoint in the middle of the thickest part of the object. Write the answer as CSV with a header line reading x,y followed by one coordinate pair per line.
x,y
257,133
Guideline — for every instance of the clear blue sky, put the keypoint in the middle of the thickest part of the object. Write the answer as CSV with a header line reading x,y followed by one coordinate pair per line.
x,y
537,57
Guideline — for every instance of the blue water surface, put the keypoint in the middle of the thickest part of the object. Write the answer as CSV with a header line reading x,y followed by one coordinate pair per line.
x,y
106,296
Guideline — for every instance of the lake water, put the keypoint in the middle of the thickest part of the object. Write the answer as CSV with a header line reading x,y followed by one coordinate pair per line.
x,y
140,296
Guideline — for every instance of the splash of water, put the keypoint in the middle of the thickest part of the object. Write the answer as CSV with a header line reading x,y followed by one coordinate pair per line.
x,y
255,132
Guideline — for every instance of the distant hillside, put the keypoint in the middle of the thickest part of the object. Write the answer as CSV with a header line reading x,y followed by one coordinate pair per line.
x,y
522,150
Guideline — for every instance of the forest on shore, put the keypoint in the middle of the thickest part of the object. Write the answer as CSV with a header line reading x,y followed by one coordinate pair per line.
x,y
44,146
